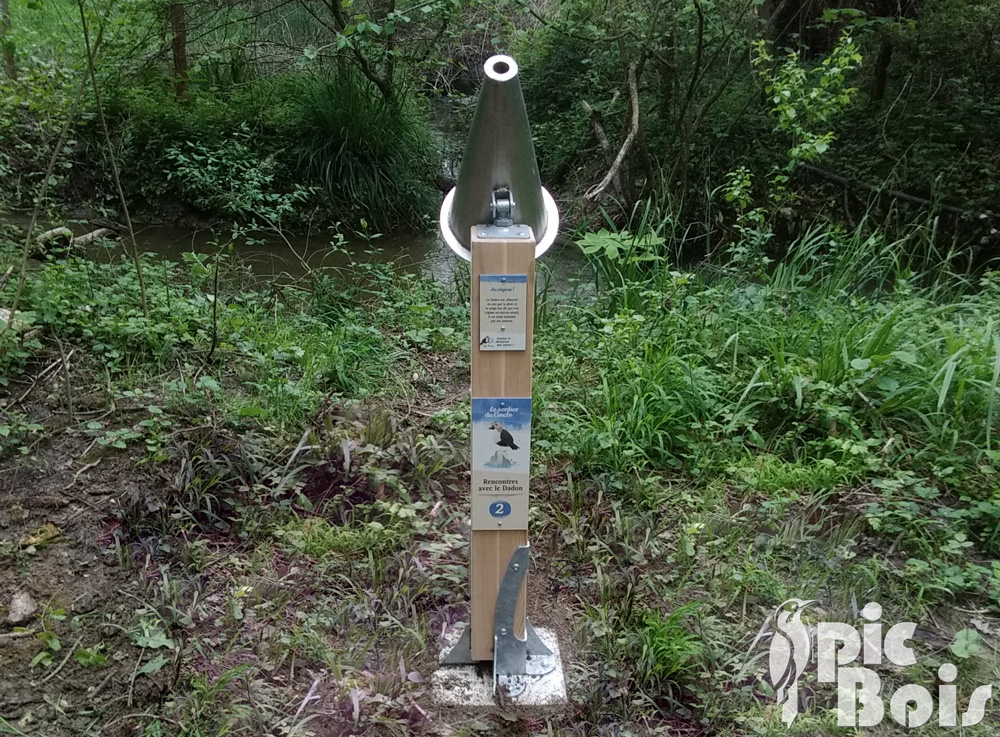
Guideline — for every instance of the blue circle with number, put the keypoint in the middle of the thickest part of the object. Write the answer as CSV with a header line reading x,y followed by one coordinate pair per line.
x,y
499,509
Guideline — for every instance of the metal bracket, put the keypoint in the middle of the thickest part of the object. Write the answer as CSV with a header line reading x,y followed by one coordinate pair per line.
x,y
502,213
515,660
461,651
502,207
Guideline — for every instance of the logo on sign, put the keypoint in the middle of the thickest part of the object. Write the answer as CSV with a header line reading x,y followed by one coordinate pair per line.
x,y
837,647
499,509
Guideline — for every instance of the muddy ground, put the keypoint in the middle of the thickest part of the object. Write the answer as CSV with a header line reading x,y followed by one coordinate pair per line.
x,y
81,591
112,633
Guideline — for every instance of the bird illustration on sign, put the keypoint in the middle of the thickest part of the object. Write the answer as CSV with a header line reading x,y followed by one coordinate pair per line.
x,y
506,439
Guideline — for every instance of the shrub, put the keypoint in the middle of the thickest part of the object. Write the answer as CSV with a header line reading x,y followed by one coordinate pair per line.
x,y
231,178
375,159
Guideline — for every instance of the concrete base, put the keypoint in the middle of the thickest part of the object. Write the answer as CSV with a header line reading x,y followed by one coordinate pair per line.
x,y
471,686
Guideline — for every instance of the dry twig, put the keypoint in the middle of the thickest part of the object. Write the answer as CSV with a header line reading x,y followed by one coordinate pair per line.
x,y
45,372
65,660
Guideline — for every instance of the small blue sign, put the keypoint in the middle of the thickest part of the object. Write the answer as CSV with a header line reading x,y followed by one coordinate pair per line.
x,y
499,509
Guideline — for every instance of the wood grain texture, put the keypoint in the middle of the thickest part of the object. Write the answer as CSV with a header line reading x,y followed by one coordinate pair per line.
x,y
497,374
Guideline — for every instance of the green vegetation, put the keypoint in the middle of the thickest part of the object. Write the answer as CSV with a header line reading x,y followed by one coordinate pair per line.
x,y
250,130
235,503
714,444
875,98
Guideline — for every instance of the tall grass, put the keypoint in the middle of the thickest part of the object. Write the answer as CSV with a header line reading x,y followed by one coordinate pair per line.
x,y
853,340
859,367
623,261
375,159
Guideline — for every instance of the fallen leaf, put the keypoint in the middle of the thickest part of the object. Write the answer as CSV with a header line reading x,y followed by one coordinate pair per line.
x,y
44,534
153,666
152,640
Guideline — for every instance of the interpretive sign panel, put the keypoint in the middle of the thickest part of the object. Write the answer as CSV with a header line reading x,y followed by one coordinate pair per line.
x,y
503,300
501,452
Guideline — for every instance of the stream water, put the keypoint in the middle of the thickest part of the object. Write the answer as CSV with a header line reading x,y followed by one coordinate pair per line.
x,y
271,255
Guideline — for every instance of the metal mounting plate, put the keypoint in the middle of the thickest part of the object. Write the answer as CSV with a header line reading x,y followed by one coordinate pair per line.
x,y
514,659
511,232
470,687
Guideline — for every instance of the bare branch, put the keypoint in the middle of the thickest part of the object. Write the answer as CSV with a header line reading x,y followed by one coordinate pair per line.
x,y
116,175
602,141
633,91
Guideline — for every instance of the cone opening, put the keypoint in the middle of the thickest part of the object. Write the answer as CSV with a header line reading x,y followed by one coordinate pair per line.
x,y
500,68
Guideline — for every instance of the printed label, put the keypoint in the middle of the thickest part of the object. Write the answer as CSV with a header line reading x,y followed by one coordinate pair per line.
x,y
503,310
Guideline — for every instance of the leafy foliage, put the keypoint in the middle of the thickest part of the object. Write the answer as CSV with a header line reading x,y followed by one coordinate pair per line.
x,y
230,179
740,401
806,100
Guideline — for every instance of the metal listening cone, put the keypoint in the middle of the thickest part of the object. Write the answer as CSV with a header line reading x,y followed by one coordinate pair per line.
x,y
499,155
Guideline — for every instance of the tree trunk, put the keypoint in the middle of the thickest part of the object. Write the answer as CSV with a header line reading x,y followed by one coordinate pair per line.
x,y
9,64
178,45
881,69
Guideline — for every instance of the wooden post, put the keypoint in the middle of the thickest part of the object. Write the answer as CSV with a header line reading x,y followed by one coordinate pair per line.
x,y
498,373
